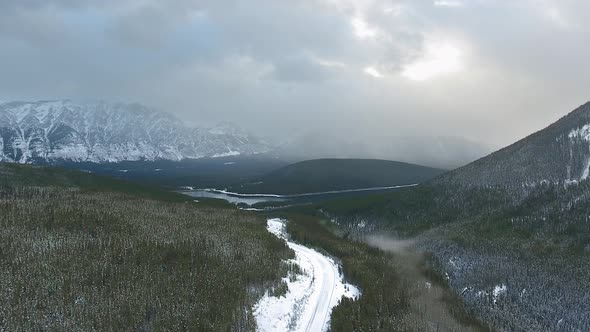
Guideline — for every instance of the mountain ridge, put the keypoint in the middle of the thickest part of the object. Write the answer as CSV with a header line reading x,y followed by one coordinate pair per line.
x,y
557,154
63,130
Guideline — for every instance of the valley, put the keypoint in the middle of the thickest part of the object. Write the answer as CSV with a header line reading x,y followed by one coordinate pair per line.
x,y
294,166
148,238
327,175
354,245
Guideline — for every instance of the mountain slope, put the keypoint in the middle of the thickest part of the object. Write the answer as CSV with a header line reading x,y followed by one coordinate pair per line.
x,y
53,131
322,175
510,232
559,153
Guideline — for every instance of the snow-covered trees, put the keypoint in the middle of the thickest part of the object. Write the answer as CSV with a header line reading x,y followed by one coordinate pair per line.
x,y
79,259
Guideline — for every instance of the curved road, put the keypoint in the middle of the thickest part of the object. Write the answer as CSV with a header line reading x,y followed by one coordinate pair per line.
x,y
322,295
311,295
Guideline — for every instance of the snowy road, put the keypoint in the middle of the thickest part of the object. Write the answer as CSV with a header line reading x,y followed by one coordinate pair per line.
x,y
311,295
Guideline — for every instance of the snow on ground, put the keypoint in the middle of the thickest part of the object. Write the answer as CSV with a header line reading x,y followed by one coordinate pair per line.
x,y
499,290
229,153
311,295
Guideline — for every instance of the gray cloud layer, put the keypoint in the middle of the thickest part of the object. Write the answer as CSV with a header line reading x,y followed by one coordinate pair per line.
x,y
486,70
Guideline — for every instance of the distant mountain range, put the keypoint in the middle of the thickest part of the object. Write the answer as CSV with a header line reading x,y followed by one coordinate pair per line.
x,y
63,130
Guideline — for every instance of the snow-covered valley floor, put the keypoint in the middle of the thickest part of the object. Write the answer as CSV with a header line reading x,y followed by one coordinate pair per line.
x,y
311,295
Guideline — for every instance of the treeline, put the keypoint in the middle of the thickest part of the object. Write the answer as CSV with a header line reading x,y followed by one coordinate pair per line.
x,y
78,259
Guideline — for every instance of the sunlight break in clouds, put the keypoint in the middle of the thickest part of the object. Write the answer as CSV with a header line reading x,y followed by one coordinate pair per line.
x,y
362,29
438,59
372,71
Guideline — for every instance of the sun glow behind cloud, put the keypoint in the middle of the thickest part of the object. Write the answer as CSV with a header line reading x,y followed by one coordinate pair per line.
x,y
438,59
362,29
373,72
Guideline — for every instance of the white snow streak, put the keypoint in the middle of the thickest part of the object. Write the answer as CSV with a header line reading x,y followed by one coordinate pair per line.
x,y
586,170
311,295
581,133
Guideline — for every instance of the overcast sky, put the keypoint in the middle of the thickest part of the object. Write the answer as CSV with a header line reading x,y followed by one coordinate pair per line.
x,y
486,70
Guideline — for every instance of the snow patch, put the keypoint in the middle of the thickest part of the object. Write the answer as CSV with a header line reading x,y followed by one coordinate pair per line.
x,y
499,290
581,133
586,170
226,154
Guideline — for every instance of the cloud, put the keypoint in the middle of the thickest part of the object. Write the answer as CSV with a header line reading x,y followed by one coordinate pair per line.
x,y
372,71
448,3
282,67
438,59
304,69
556,16
362,29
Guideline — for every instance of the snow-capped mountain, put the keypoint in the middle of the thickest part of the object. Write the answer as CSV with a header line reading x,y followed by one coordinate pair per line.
x,y
53,131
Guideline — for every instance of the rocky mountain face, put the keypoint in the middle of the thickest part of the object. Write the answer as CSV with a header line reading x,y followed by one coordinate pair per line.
x,y
558,154
54,131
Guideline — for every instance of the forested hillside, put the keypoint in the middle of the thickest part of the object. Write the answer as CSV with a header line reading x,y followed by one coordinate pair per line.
x,y
79,252
517,265
557,154
320,175
510,232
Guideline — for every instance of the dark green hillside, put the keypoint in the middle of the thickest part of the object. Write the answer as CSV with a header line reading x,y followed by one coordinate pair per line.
x,y
338,174
80,252
483,238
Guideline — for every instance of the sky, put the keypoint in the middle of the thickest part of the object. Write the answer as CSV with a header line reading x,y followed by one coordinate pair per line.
x,y
485,71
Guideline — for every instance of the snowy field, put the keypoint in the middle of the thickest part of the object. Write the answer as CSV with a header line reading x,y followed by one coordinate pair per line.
x,y
311,295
